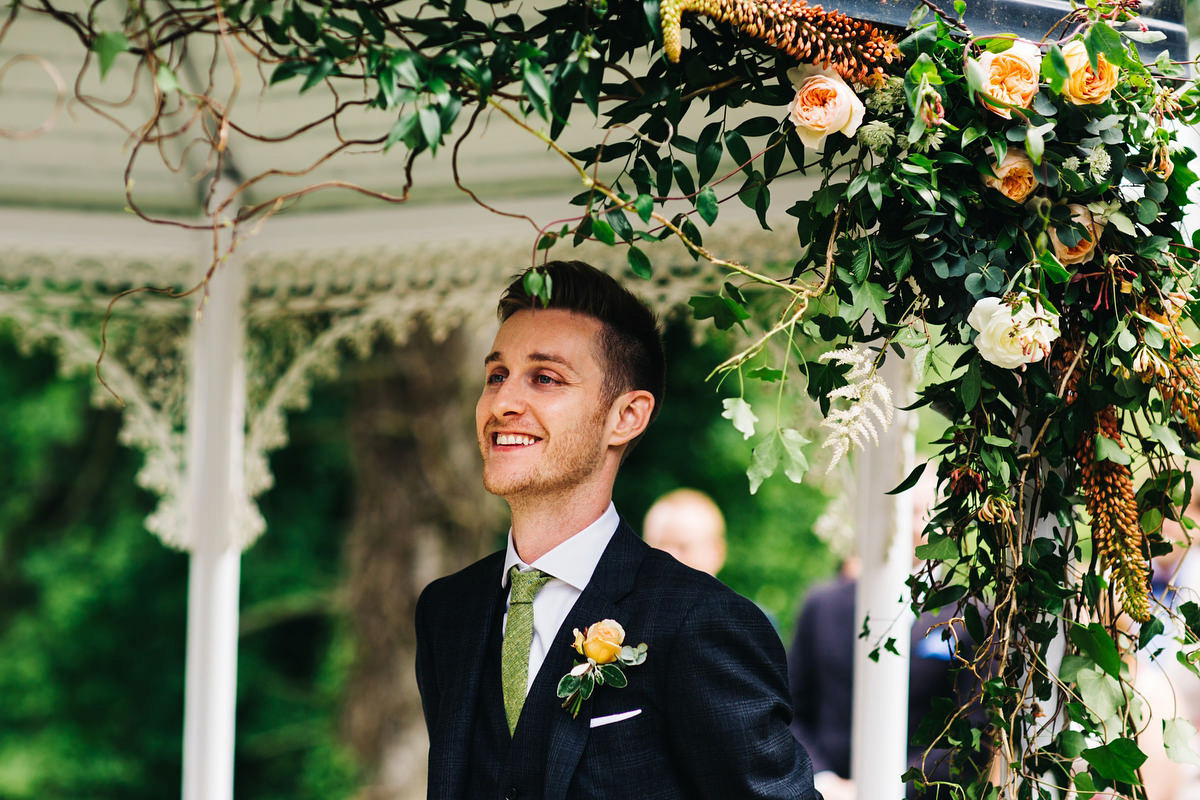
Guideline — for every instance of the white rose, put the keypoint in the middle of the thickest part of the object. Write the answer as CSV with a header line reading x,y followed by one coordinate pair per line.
x,y
1013,335
823,104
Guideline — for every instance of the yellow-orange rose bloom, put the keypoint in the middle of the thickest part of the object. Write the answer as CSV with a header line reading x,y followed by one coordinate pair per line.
x,y
1082,250
1014,178
823,104
1086,86
600,642
1012,76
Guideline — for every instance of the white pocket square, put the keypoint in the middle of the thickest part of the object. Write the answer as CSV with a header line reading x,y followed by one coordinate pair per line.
x,y
611,718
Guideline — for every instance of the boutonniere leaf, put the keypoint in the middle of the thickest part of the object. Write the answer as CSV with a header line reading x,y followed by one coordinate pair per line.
x,y
605,654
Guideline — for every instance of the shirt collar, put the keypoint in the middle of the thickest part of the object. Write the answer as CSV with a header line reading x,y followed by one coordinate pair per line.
x,y
574,560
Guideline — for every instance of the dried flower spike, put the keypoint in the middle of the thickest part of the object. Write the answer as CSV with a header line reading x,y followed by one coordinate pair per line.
x,y
856,49
1117,534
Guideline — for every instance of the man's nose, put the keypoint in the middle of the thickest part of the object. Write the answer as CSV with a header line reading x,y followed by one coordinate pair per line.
x,y
507,399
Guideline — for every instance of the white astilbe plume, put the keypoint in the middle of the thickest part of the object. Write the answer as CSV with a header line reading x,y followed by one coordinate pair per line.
x,y
868,405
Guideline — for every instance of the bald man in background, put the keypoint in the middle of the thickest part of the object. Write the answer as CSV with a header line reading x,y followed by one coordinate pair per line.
x,y
687,524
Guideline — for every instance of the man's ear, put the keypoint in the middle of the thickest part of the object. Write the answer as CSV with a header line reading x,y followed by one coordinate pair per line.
x,y
630,414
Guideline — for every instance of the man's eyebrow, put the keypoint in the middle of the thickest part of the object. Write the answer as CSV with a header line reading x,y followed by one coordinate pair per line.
x,y
551,358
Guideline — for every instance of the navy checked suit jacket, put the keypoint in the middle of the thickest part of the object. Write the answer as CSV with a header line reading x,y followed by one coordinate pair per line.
x,y
711,703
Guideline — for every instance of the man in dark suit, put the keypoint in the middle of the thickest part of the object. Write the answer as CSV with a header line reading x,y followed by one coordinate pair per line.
x,y
568,388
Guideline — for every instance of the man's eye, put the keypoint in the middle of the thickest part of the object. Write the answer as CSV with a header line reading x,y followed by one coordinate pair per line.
x,y
495,377
546,380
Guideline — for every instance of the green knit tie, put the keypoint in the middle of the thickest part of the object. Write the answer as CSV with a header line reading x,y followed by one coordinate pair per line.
x,y
518,636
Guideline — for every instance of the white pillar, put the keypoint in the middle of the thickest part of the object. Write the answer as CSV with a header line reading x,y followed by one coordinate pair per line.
x,y
215,481
885,548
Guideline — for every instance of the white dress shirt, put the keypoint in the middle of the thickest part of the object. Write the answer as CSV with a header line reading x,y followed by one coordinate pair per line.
x,y
570,566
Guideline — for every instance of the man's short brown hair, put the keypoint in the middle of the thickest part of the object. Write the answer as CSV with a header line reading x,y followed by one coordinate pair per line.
x,y
630,345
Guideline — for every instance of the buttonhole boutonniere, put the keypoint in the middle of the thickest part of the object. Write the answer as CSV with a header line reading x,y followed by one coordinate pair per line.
x,y
603,648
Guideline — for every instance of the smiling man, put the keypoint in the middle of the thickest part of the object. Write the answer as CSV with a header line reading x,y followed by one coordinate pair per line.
x,y
578,662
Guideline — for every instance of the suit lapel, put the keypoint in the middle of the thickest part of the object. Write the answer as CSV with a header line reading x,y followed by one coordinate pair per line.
x,y
610,583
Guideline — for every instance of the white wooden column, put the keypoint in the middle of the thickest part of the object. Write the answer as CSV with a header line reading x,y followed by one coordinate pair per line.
x,y
885,547
215,479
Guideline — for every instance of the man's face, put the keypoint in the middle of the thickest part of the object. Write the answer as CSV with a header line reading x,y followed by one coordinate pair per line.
x,y
542,422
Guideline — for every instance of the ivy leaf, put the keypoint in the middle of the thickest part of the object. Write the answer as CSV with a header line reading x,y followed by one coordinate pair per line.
x,y
938,548
107,46
1108,450
1167,438
165,79
1095,642
1071,743
1118,760
739,412
1100,692
1178,734
763,461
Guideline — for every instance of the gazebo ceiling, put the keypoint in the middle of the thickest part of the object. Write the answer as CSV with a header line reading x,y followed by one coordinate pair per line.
x,y
78,161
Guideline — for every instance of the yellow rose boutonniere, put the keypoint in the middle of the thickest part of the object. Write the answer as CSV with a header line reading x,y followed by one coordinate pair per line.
x,y
603,647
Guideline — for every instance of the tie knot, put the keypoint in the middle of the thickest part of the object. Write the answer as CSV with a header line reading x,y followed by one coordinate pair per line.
x,y
526,584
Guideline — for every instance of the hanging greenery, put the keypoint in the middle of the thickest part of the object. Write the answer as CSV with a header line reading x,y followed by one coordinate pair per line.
x,y
1016,200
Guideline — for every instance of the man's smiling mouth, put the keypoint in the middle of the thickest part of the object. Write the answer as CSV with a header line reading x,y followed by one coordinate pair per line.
x,y
515,439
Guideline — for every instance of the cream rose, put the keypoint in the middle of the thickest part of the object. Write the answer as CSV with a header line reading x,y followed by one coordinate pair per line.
x,y
1012,76
1015,177
1086,86
823,104
1015,333
601,642
1083,249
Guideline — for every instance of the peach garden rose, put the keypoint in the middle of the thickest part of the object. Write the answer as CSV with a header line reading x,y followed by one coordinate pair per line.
x,y
1012,76
1015,177
823,104
1082,250
1086,86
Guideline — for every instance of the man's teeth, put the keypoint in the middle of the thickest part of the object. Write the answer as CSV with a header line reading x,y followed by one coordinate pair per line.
x,y
514,438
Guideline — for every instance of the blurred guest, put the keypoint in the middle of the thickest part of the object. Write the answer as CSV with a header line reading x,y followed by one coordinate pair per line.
x,y
687,524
